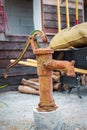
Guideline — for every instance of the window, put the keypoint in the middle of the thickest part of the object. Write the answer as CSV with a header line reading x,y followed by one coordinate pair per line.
x,y
24,16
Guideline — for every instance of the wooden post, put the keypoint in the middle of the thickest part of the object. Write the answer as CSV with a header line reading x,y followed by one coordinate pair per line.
x,y
58,14
76,11
67,14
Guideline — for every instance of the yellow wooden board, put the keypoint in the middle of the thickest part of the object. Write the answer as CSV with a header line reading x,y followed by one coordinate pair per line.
x,y
82,71
26,63
33,63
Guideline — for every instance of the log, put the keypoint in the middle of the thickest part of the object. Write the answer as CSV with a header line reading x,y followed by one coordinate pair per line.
x,y
56,86
30,83
56,77
31,60
27,90
65,87
34,83
26,63
34,80
83,79
86,80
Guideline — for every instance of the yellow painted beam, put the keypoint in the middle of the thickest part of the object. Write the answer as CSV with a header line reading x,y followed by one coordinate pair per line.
x,y
33,63
76,11
31,60
82,71
26,63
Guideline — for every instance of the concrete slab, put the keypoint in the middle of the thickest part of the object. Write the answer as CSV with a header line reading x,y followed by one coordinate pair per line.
x,y
19,113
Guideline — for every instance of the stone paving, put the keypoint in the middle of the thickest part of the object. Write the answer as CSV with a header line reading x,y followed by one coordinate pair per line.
x,y
18,115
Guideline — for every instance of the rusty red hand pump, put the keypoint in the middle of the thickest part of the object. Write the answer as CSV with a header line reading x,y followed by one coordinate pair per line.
x,y
45,66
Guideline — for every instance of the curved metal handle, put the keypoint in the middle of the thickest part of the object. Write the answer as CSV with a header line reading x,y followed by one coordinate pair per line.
x,y
31,38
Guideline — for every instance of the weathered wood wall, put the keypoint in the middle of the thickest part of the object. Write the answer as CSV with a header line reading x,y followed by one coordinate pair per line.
x,y
85,2
10,49
50,15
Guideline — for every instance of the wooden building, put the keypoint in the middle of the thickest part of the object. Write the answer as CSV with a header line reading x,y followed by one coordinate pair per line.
x,y
24,16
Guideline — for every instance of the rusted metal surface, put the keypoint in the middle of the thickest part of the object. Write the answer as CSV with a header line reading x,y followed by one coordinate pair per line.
x,y
45,79
45,65
61,65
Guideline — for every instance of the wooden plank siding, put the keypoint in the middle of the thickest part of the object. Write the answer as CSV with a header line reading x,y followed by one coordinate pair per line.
x,y
50,15
12,45
10,49
85,2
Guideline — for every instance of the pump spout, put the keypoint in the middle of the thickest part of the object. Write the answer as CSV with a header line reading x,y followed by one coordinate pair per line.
x,y
61,65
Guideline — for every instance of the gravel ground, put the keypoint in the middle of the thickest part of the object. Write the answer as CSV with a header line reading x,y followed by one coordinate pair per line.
x,y
18,115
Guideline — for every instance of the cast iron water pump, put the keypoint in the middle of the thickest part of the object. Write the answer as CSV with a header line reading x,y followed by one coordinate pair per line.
x,y
45,66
